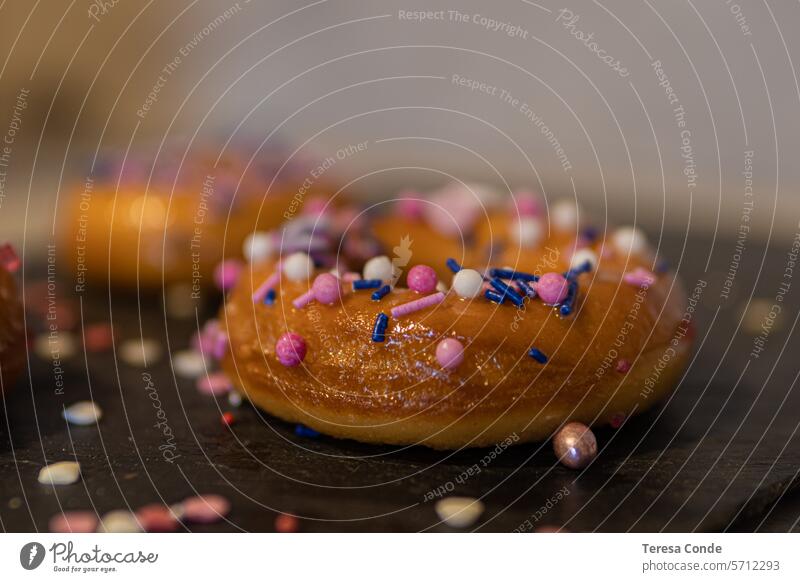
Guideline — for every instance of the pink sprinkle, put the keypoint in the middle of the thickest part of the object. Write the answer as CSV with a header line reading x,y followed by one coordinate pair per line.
x,y
552,288
326,289
422,279
214,384
304,299
417,305
623,366
220,346
8,258
410,206
640,277
73,522
450,353
350,276
290,349
157,518
226,273
315,206
205,508
527,204
286,523
266,286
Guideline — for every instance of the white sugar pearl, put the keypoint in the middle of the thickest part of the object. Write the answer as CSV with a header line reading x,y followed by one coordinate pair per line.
x,y
119,521
467,283
528,232
629,239
564,215
83,413
580,258
379,268
61,345
62,473
258,247
140,352
298,267
459,511
188,363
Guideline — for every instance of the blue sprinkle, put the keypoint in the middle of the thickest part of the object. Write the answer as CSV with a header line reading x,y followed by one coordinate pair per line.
x,y
590,233
302,430
513,275
505,289
495,297
269,298
379,331
538,356
569,301
366,284
381,293
584,268
453,265
526,289
662,266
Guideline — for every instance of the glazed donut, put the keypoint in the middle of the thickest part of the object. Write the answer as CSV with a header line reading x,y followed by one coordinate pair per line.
x,y
12,331
130,226
504,353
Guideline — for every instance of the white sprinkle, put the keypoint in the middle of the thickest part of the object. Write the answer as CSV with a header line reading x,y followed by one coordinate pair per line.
x,y
119,521
467,283
629,239
235,399
61,345
459,511
178,301
83,413
580,258
258,247
564,215
61,473
140,353
298,267
441,286
528,232
379,268
188,363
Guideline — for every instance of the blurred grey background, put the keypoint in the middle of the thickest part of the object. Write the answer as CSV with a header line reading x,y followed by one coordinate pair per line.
x,y
661,112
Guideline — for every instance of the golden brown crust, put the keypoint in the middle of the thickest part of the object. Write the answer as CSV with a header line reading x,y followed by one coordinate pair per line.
x,y
12,332
395,392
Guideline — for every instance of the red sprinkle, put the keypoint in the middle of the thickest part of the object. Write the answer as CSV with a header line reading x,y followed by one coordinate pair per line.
x,y
98,337
286,523
157,518
227,418
8,258
623,366
205,508
74,522
617,420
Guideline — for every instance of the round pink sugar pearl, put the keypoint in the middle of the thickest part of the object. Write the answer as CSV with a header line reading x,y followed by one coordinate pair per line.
x,y
410,206
450,353
74,522
326,289
290,349
422,279
227,273
205,508
552,288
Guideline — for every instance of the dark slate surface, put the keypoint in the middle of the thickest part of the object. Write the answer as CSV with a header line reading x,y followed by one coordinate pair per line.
x,y
723,453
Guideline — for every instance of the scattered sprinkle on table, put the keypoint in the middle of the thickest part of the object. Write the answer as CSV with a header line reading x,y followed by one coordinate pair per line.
x,y
157,518
140,353
73,522
119,521
459,512
205,508
61,473
188,364
60,344
214,384
83,413
98,337
235,399
227,418
302,430
286,523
